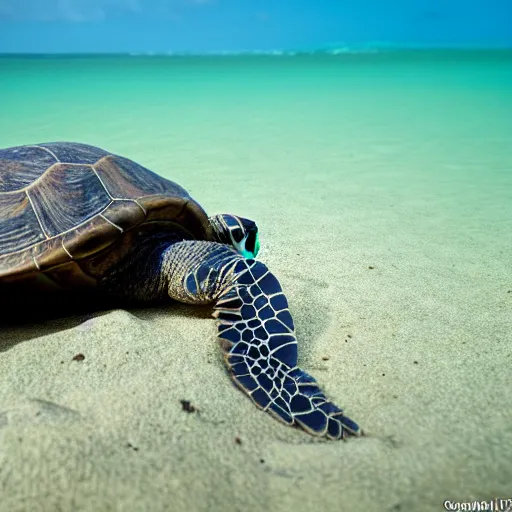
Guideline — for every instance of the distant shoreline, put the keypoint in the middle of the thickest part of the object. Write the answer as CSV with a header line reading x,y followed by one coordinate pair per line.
x,y
335,52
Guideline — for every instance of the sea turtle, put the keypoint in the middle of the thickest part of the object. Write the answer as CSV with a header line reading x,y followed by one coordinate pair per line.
x,y
73,215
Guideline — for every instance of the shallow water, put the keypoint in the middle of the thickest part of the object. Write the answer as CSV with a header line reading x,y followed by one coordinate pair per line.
x,y
428,132
175,112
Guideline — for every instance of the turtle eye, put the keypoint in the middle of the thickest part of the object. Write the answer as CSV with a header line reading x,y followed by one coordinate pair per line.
x,y
237,234
250,243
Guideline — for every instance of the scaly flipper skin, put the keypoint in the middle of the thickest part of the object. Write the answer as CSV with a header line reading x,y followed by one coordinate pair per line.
x,y
257,334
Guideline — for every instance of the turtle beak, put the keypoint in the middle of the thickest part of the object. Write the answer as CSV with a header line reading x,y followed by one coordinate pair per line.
x,y
240,233
252,243
249,245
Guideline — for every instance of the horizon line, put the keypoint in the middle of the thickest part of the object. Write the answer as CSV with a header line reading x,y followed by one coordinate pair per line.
x,y
342,50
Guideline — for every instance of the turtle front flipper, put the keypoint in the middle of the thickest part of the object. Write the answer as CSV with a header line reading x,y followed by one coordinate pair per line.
x,y
258,337
257,334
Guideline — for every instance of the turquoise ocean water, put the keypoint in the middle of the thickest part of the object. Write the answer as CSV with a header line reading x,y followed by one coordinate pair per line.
x,y
407,122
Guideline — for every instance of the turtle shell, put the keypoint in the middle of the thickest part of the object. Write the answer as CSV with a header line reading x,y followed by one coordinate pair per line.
x,y
69,212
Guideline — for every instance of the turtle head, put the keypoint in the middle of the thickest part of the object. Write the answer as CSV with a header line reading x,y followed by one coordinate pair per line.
x,y
240,233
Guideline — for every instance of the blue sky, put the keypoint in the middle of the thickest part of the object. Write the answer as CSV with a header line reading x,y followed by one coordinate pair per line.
x,y
48,26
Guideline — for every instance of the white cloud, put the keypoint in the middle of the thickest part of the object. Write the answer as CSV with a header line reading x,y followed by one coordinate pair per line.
x,y
64,10
87,10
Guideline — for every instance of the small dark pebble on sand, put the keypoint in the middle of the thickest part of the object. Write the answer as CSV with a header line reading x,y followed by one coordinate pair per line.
x,y
79,357
187,406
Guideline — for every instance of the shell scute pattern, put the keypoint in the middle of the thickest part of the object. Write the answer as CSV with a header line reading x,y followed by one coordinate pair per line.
x,y
92,236
20,168
49,253
124,214
19,226
127,179
67,201
81,195
73,152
